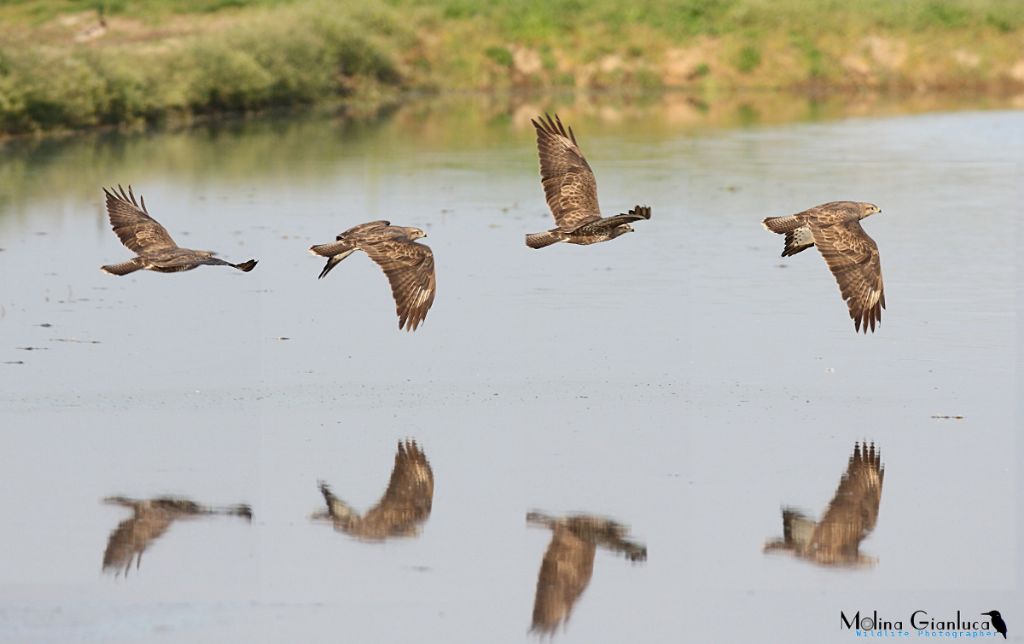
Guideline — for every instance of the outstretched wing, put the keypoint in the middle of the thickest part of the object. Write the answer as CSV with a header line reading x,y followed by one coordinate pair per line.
x,y
133,225
854,260
569,184
564,574
854,509
132,536
636,214
410,494
410,269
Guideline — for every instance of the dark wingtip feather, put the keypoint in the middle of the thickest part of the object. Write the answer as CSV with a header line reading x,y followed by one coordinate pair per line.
x,y
245,267
641,211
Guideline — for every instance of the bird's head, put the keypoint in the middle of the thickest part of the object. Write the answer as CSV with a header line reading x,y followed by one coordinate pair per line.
x,y
622,229
868,209
416,233
992,613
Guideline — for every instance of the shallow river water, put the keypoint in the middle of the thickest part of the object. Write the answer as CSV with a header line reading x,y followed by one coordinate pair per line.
x,y
684,380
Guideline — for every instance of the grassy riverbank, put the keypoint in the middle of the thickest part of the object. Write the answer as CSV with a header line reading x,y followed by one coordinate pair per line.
x,y
71,64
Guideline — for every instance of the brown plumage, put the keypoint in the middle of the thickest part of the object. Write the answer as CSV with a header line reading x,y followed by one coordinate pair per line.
x,y
569,562
150,520
850,517
409,266
571,191
405,505
151,242
850,253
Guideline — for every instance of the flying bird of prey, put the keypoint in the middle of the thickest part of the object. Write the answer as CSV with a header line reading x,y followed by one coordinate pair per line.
x,y
850,517
405,505
150,520
409,266
151,242
571,192
569,562
851,255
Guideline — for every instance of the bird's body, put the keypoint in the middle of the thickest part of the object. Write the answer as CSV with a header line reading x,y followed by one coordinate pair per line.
x,y
850,517
409,266
155,249
568,563
149,521
571,192
406,503
851,254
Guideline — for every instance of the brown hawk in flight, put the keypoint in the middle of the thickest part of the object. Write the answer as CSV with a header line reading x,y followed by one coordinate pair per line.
x,y
851,255
569,562
408,265
571,192
150,520
151,242
405,505
850,517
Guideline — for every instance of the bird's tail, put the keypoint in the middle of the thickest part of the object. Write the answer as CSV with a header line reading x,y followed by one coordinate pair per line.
x,y
797,529
540,240
243,510
336,508
334,252
245,267
121,269
540,520
781,225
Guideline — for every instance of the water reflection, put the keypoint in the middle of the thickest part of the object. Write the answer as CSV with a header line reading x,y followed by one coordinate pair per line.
x,y
569,562
310,145
850,517
400,512
151,519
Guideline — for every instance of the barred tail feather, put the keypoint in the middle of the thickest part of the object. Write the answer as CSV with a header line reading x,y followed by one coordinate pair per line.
x,y
540,240
334,252
781,224
539,519
330,249
336,508
122,269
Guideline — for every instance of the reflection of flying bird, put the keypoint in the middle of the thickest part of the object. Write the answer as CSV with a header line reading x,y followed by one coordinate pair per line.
x,y
850,517
150,520
571,192
569,562
405,505
408,265
997,622
851,255
151,242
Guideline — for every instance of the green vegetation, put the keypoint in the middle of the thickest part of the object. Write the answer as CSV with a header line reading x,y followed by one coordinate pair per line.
x,y
70,64
748,59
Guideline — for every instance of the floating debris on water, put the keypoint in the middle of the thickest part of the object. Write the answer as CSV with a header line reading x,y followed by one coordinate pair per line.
x,y
75,340
948,417
32,348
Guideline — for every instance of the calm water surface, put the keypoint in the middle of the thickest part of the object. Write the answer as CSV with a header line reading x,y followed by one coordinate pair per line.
x,y
684,380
